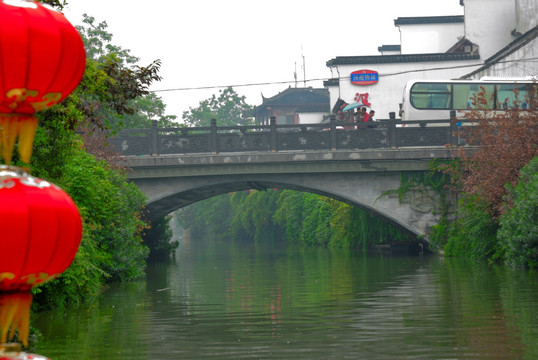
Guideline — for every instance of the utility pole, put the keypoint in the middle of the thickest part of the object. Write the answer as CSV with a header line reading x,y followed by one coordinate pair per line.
x,y
295,74
304,67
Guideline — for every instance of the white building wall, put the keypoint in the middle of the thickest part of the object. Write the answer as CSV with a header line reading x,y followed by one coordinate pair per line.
x,y
526,15
386,95
489,24
514,65
429,38
310,118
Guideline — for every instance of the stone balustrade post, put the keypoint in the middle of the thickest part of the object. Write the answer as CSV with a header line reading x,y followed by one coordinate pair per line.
x,y
213,137
333,131
273,134
154,140
392,138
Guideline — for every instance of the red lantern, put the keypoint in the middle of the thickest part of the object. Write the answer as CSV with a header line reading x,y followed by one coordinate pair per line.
x,y
42,60
40,234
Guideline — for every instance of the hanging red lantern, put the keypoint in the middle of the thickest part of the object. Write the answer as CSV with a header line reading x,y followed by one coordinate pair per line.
x,y
40,234
42,60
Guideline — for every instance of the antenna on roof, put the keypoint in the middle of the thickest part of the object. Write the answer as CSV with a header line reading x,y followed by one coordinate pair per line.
x,y
295,74
304,67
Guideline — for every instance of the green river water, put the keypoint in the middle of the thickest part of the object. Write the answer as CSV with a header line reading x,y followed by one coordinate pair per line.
x,y
240,301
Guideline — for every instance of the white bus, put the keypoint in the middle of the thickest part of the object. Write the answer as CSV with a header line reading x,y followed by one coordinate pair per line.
x,y
433,99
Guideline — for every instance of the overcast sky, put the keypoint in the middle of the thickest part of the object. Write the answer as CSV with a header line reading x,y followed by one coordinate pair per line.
x,y
211,43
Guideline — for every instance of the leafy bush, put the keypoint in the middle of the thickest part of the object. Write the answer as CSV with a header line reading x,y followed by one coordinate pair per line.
x,y
518,231
158,239
316,229
111,247
111,209
474,234
81,282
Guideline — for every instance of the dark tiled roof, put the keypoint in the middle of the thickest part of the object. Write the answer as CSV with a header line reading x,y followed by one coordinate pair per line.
x,y
459,47
387,59
429,20
299,96
389,48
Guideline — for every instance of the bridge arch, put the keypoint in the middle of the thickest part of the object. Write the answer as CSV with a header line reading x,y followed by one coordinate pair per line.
x,y
415,213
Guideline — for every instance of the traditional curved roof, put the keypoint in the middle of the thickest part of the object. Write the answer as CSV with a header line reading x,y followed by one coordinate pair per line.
x,y
298,96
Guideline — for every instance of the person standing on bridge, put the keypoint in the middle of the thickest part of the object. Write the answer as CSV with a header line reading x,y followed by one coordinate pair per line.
x,y
371,119
365,115
362,116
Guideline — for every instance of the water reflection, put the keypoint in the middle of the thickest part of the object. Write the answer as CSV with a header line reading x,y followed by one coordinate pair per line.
x,y
246,301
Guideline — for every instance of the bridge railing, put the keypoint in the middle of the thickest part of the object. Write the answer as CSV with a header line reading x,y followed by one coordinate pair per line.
x,y
335,135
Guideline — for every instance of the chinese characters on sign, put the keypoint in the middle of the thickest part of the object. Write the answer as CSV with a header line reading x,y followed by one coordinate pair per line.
x,y
364,77
362,98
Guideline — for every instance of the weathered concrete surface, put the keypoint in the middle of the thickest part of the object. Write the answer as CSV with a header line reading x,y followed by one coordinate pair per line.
x,y
360,177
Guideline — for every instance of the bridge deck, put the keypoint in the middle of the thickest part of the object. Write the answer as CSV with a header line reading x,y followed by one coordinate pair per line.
x,y
366,160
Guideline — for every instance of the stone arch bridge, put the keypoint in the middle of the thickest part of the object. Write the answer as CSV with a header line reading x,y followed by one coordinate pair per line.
x,y
361,166
364,178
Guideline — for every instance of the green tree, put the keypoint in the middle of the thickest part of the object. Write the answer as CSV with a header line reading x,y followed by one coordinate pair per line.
x,y
518,231
209,217
297,217
112,79
58,4
158,239
98,42
289,214
148,108
111,208
256,214
111,246
228,108
316,229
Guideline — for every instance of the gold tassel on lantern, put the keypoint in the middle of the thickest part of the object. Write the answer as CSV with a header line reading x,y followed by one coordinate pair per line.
x,y
13,126
15,316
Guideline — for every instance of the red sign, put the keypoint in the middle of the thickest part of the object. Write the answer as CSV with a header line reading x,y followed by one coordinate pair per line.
x,y
364,77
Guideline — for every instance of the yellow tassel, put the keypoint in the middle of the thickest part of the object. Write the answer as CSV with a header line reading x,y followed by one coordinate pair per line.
x,y
28,127
15,316
9,126
13,126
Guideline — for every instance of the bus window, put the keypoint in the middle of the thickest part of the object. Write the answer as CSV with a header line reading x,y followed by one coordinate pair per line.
x,y
430,96
463,94
511,96
473,96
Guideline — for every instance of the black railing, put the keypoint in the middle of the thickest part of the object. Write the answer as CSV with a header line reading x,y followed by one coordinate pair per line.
x,y
334,135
